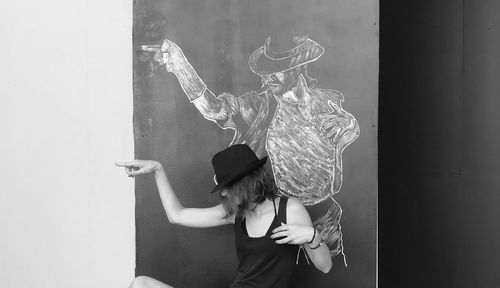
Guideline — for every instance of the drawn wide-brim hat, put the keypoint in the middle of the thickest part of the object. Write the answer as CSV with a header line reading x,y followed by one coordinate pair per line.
x,y
233,163
265,61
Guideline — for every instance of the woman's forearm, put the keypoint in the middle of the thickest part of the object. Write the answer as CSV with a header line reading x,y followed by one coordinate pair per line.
x,y
171,204
321,255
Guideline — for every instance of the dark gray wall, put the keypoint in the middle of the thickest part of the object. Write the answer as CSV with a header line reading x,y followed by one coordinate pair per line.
x,y
439,138
217,37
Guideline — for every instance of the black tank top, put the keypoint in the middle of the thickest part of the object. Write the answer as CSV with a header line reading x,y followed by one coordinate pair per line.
x,y
263,263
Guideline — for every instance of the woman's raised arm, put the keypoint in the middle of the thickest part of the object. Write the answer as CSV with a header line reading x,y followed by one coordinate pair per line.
x,y
300,231
176,213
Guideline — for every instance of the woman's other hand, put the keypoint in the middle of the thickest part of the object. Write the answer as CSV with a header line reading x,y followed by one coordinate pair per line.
x,y
139,167
292,234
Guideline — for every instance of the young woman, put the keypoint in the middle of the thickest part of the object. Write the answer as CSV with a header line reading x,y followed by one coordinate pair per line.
x,y
268,228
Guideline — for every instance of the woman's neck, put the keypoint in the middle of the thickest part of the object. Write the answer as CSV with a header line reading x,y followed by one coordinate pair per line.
x,y
261,208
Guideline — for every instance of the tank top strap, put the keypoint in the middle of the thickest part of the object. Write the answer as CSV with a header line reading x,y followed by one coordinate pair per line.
x,y
274,206
282,209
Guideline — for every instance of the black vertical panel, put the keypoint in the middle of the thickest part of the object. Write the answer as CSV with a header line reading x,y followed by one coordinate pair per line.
x,y
420,130
439,138
477,229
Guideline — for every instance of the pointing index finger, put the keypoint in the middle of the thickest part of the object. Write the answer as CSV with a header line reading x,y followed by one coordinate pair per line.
x,y
126,164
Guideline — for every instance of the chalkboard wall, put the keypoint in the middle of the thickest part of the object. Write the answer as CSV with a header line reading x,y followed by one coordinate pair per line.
x,y
217,37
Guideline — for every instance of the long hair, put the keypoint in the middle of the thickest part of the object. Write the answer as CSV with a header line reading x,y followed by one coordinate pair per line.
x,y
245,194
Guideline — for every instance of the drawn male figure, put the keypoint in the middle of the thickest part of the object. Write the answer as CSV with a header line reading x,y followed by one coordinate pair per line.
x,y
301,128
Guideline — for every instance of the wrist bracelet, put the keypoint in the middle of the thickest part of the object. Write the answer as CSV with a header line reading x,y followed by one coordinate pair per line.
x,y
317,246
312,239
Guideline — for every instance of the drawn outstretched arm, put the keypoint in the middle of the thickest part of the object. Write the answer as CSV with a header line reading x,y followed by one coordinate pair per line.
x,y
218,109
176,212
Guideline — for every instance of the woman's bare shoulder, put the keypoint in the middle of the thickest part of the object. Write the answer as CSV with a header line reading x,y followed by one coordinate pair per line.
x,y
297,213
294,203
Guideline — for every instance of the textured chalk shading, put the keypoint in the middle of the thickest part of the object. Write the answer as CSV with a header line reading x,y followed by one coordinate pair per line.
x,y
303,130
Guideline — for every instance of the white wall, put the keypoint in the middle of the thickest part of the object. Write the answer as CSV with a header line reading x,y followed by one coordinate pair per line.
x,y
66,213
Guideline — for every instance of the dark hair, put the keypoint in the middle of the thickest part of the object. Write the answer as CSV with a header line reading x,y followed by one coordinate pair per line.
x,y
245,194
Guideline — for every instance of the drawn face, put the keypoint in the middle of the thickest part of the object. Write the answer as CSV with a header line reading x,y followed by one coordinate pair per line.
x,y
275,82
280,82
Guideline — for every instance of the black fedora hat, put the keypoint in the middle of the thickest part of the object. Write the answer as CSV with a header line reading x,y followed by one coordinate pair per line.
x,y
233,163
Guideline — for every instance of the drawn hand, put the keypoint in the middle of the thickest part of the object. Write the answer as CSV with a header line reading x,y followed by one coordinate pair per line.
x,y
334,123
293,234
168,54
172,54
138,167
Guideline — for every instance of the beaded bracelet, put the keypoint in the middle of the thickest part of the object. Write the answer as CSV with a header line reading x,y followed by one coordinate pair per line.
x,y
317,246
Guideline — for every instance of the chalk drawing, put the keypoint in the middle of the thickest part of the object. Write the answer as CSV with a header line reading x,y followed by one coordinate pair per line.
x,y
303,129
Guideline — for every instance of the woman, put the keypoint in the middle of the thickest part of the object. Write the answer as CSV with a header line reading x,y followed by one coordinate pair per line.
x,y
268,228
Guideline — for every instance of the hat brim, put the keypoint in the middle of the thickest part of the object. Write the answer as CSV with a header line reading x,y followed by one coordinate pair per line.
x,y
237,175
264,61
